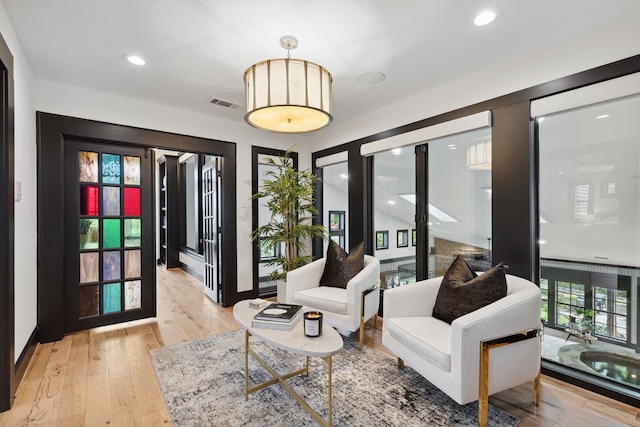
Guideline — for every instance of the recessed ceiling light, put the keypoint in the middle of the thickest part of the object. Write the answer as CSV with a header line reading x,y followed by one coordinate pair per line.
x,y
370,78
392,202
396,151
452,146
485,17
602,116
135,60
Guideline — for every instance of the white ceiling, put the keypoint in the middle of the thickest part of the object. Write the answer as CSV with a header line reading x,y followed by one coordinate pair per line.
x,y
199,49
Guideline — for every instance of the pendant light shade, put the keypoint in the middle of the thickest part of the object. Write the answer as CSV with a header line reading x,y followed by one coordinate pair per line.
x,y
288,95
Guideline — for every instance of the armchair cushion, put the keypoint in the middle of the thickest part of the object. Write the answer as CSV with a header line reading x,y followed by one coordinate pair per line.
x,y
463,291
324,298
341,267
426,336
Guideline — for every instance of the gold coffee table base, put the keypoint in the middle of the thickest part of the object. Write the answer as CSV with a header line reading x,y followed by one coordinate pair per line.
x,y
280,379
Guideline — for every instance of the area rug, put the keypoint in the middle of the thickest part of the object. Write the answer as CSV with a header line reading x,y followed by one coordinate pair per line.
x,y
202,383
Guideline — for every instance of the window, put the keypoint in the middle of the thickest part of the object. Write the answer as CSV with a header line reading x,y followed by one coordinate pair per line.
x,y
190,190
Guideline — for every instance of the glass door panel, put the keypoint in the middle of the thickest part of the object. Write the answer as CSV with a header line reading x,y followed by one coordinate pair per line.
x,y
394,215
459,179
589,204
335,204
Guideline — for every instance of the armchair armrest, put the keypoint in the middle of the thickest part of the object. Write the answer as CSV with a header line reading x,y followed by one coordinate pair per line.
x,y
306,277
516,312
367,277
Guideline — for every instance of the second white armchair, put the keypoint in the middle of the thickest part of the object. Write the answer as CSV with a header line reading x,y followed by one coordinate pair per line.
x,y
347,309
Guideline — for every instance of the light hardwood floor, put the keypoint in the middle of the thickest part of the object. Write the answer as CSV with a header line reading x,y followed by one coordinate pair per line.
x,y
104,376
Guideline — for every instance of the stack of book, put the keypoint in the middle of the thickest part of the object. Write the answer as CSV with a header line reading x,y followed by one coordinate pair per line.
x,y
278,316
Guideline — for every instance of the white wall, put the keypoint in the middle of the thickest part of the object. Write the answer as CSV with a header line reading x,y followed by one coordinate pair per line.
x,y
25,210
611,43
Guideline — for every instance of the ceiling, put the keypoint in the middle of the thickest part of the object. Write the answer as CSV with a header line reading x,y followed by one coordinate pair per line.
x,y
199,49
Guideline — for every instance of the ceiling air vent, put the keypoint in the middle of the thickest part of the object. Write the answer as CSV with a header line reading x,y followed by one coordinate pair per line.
x,y
225,104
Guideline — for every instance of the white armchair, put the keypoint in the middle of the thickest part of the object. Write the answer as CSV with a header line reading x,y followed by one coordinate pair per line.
x,y
347,309
449,355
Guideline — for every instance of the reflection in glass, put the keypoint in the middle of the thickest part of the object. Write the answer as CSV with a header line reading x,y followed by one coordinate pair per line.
x,y
131,201
89,200
459,202
394,202
111,233
87,166
335,203
131,232
111,169
111,265
589,204
132,264
89,233
89,271
132,297
131,170
111,298
89,302
111,201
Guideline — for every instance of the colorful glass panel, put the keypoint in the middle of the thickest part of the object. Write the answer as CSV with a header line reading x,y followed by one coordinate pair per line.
x,y
111,169
132,201
89,200
111,298
89,301
110,201
132,298
132,264
132,232
89,233
89,267
111,265
111,233
87,166
131,170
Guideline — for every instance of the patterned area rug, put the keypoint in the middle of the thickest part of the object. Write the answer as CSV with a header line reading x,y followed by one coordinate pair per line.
x,y
203,385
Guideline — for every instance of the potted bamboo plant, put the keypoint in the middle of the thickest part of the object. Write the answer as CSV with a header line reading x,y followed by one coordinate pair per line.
x,y
289,196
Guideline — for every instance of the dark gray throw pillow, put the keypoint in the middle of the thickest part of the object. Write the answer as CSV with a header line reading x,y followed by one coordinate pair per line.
x,y
463,291
340,267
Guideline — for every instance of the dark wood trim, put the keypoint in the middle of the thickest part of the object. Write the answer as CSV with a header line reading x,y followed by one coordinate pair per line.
x,y
52,132
422,211
8,378
512,183
317,244
27,353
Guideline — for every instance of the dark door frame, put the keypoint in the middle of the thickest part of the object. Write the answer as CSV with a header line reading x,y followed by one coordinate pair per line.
x,y
8,378
52,132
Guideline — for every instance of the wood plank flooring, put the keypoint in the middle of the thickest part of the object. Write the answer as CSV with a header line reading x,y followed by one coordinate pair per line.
x,y
103,376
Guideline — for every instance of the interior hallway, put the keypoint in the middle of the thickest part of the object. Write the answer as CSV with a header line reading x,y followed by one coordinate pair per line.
x,y
104,376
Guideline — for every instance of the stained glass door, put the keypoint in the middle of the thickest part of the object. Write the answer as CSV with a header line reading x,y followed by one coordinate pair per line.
x,y
109,239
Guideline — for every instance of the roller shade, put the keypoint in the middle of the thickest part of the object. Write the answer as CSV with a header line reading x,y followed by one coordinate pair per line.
x,y
452,127
332,159
593,94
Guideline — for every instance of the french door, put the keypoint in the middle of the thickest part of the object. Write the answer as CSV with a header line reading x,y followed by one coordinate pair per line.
x,y
109,257
211,230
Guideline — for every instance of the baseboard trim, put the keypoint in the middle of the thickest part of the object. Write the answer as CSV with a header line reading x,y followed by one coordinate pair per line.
x,y
27,354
